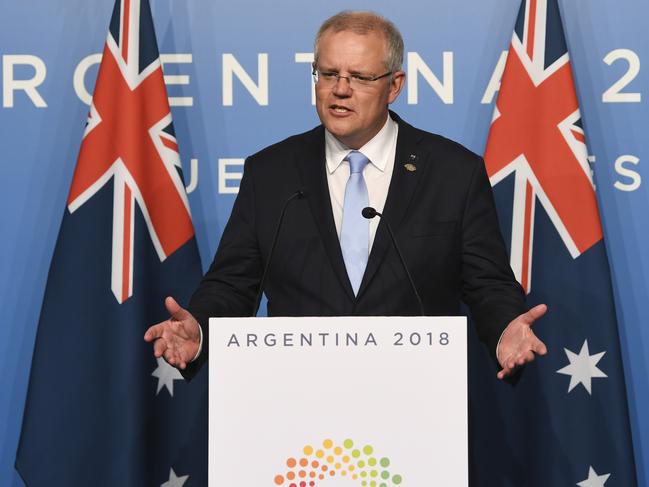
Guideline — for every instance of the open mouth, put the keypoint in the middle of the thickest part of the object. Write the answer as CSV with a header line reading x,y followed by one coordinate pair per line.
x,y
339,109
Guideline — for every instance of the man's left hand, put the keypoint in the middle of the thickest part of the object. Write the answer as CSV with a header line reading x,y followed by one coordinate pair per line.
x,y
518,344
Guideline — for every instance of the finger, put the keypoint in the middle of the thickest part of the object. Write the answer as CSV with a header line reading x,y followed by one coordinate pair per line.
x,y
504,373
170,356
526,358
535,313
175,310
154,332
539,347
159,347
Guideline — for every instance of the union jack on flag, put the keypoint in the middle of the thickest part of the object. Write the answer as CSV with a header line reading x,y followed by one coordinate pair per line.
x,y
536,133
130,138
563,420
118,415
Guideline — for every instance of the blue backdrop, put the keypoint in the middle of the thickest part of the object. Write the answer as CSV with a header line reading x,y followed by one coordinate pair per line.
x,y
232,66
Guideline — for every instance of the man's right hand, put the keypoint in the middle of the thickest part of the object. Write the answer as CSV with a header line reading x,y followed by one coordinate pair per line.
x,y
176,339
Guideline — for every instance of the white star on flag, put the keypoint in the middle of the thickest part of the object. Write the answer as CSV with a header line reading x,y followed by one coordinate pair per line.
x,y
593,479
582,368
166,375
175,481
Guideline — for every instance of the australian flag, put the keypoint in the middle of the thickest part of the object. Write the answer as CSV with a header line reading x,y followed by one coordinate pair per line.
x,y
101,410
563,420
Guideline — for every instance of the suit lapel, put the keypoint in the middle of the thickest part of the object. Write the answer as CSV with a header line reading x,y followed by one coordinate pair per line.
x,y
402,188
311,166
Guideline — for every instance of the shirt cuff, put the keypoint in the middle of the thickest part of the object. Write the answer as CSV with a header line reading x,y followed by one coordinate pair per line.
x,y
200,344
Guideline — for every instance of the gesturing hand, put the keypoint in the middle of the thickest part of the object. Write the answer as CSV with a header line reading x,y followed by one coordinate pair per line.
x,y
176,339
518,344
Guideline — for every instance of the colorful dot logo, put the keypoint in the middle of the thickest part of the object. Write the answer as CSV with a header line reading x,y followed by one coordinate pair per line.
x,y
332,460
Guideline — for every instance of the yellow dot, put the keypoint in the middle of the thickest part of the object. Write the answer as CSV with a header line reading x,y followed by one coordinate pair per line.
x,y
351,468
319,454
354,476
327,443
337,466
338,450
330,459
308,450
343,473
345,459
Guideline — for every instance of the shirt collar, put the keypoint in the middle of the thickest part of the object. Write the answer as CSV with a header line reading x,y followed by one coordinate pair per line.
x,y
375,149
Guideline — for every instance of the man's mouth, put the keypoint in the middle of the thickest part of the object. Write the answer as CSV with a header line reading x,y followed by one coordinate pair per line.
x,y
340,109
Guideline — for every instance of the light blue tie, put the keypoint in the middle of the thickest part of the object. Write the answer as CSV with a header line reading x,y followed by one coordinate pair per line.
x,y
355,232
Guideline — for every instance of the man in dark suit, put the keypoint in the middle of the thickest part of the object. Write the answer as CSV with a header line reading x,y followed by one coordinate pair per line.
x,y
330,260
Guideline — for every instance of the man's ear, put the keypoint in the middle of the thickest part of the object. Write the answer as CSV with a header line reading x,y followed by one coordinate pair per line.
x,y
397,81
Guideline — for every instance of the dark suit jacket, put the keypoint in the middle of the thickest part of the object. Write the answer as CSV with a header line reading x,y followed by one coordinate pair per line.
x,y
442,214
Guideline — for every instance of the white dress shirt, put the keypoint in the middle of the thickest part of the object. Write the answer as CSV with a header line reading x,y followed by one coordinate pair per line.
x,y
380,150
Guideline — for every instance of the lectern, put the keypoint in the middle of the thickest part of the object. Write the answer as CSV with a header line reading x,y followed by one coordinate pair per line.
x,y
344,401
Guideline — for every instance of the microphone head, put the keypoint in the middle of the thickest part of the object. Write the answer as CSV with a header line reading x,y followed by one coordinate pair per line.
x,y
302,193
369,212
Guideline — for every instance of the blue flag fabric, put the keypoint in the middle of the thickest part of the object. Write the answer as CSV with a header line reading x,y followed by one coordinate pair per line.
x,y
563,420
101,410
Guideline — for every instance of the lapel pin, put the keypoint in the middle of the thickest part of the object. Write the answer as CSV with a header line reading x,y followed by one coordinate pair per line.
x,y
411,165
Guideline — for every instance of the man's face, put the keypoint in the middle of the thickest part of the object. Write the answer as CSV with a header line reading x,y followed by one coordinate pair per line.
x,y
354,114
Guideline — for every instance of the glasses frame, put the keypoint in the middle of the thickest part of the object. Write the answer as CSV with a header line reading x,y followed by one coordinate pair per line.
x,y
352,79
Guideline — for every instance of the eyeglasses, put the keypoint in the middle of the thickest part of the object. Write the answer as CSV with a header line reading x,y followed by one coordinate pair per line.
x,y
330,78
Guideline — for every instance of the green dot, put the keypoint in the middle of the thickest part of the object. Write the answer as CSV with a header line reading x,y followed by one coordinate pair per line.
x,y
363,483
396,479
372,484
348,443
367,449
385,462
363,474
361,463
385,474
356,453
383,484
373,473
371,461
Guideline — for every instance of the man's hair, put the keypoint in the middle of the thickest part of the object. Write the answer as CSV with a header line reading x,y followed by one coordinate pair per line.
x,y
363,23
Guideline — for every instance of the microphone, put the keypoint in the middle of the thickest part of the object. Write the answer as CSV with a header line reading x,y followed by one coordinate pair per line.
x,y
298,194
369,213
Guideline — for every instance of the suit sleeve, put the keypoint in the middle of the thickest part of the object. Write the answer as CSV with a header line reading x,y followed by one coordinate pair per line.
x,y
230,285
489,287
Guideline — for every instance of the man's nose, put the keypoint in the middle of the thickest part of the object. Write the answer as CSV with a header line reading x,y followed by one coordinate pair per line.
x,y
342,87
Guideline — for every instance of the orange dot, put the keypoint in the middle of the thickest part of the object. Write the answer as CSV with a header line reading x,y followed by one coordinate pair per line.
x,y
315,464
325,468
354,476
291,462
302,474
332,472
320,476
327,443
312,474
303,462
279,480
290,475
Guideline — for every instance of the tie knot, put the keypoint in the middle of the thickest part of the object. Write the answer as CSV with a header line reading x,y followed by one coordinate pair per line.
x,y
357,161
